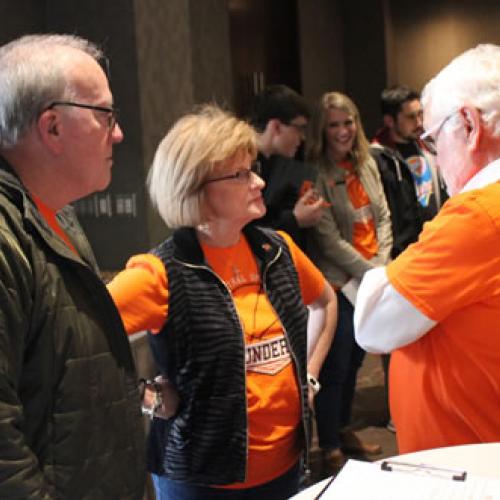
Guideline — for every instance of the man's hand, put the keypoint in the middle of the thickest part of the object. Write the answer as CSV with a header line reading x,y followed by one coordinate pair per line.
x,y
309,208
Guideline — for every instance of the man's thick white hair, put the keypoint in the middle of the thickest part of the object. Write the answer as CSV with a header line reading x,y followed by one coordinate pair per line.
x,y
473,79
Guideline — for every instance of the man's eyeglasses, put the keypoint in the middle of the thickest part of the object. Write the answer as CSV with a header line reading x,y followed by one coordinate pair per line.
x,y
430,137
242,176
112,112
301,128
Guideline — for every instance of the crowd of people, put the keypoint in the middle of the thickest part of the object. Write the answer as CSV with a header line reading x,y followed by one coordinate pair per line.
x,y
278,276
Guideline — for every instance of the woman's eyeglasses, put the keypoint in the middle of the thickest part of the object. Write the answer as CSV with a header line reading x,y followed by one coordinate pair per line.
x,y
242,176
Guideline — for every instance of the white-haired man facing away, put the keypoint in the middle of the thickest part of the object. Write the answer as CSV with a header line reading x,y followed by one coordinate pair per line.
x,y
437,306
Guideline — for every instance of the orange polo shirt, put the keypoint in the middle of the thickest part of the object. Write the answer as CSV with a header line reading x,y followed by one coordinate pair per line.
x,y
445,387
273,400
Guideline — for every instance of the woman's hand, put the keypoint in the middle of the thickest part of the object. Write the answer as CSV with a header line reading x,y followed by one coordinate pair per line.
x,y
159,398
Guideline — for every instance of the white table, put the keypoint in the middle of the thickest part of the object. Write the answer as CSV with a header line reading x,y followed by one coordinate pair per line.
x,y
478,459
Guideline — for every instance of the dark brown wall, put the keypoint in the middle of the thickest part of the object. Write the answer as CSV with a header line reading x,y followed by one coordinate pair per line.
x,y
426,35
321,48
211,59
364,56
167,55
20,16
343,48
264,47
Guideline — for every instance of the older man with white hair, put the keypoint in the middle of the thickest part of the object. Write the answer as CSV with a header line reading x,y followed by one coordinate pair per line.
x,y
437,306
70,421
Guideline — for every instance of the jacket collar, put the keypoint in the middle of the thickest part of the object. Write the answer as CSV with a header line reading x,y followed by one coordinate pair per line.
x,y
15,190
12,188
486,176
383,137
377,149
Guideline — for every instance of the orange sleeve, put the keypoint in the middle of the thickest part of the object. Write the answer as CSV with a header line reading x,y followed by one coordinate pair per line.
x,y
311,280
140,293
453,261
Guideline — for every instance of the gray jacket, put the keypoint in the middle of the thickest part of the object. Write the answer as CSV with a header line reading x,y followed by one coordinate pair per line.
x,y
331,239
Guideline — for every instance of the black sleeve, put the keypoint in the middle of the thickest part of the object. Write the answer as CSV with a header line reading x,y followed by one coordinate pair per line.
x,y
283,183
402,201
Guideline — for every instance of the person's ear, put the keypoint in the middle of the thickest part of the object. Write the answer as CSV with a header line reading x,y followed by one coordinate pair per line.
x,y
274,126
388,121
473,126
49,130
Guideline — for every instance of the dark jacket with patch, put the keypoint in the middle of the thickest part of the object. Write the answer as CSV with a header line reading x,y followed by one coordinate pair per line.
x,y
399,188
201,348
70,422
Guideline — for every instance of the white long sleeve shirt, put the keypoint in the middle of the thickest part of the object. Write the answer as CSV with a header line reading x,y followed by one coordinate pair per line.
x,y
384,320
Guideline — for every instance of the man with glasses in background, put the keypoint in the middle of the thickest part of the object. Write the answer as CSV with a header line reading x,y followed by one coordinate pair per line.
x,y
281,117
70,421
437,306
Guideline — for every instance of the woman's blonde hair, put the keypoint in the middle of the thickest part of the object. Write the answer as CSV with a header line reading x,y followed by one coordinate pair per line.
x,y
318,146
186,158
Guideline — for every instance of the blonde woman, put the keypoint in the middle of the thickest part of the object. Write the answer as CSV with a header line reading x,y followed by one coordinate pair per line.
x,y
225,302
354,235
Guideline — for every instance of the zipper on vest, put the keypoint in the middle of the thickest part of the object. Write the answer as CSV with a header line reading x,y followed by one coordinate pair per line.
x,y
213,273
306,465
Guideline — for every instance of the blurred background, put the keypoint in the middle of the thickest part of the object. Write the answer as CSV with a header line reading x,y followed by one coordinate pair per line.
x,y
168,55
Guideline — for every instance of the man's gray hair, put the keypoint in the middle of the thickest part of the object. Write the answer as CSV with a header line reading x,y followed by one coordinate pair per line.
x,y
33,72
473,79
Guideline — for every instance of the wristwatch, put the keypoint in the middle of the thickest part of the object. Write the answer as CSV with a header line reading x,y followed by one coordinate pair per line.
x,y
313,383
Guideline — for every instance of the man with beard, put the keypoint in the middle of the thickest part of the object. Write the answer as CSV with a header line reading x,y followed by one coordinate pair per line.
x,y
400,136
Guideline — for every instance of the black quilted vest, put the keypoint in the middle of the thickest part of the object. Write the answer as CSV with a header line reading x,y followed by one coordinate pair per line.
x,y
201,349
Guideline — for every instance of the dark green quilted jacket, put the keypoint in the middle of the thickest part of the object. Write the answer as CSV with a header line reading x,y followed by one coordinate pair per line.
x,y
70,423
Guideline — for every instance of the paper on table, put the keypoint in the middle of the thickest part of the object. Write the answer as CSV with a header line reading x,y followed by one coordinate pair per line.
x,y
367,481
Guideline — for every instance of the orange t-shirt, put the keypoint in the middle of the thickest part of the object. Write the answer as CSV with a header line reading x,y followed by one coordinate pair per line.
x,y
273,400
445,387
364,233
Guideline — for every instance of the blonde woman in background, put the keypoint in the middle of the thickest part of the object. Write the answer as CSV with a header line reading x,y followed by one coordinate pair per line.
x,y
354,235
